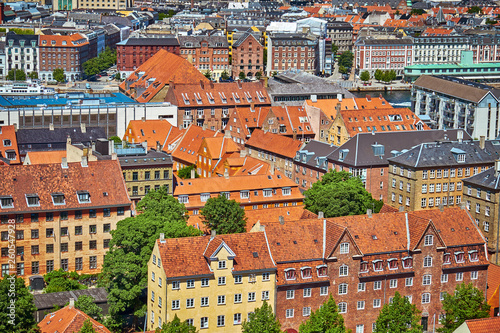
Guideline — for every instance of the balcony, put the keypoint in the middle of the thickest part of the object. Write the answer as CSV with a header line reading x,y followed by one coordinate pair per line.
x,y
187,117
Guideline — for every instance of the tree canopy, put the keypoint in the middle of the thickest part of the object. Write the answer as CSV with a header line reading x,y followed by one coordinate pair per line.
x,y
61,280
475,10
339,193
124,272
398,316
467,302
364,76
19,31
345,59
33,75
343,70
19,316
223,215
326,319
185,173
224,75
104,61
208,74
86,304
378,75
242,75
58,75
335,49
176,326
16,75
262,320
87,327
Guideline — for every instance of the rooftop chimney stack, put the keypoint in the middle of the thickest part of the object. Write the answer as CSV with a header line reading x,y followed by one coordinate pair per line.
x,y
281,219
84,161
83,127
64,163
51,126
158,146
441,207
227,134
162,238
71,302
213,233
369,212
226,174
497,168
321,215
482,141
460,136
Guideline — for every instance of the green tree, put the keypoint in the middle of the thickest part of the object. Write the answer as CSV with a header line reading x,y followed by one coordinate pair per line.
x,y
417,12
258,75
87,327
124,272
339,193
16,306
116,139
162,16
378,75
61,280
335,49
33,75
398,316
18,31
364,76
223,215
475,10
208,74
58,75
224,75
176,326
343,70
118,76
467,302
492,22
262,320
386,77
326,319
87,305
242,75
346,59
103,61
16,75
185,173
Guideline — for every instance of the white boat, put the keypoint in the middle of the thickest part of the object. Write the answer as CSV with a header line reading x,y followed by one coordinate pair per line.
x,y
24,88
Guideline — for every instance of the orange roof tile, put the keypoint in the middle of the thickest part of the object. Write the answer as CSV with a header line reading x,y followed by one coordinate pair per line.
x,y
152,131
483,325
44,157
277,144
68,320
8,143
188,146
250,117
493,280
62,41
241,166
437,32
293,118
158,71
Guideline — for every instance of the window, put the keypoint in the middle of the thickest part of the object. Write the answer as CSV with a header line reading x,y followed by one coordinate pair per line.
x,y
289,313
392,263
342,307
190,284
426,298
83,196
473,256
360,305
204,282
377,285
444,278
176,285
426,281
323,291
344,270
251,297
92,228
363,267
360,328
459,257
459,276
344,248
290,294
306,273
221,300
428,240
407,262
428,261
343,289
409,282
362,286
306,311
265,295
377,303
473,275
238,279
33,200
290,274
204,301
265,277
377,265
221,280
93,262
237,319
393,283
322,270
204,322
307,292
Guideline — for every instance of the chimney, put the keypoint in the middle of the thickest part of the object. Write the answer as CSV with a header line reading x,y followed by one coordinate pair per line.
x,y
71,303
226,174
51,126
114,156
83,128
227,134
252,106
368,98
369,212
202,85
271,170
193,174
158,146
281,219
205,126
162,237
460,136
84,161
482,140
314,98
68,140
441,207
321,215
497,168
266,82
64,163
339,97
401,209
143,119
213,233
294,135
243,153
211,84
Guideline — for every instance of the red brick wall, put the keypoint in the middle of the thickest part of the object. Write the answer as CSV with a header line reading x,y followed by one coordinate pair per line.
x,y
248,57
129,57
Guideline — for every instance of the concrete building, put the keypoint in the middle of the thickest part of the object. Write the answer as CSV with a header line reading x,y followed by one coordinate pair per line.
x,y
340,33
441,49
22,52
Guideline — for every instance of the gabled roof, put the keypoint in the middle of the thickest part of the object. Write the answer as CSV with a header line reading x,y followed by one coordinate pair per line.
x,y
245,36
240,166
489,179
250,118
59,135
483,325
68,320
152,131
44,157
9,133
293,119
188,146
277,144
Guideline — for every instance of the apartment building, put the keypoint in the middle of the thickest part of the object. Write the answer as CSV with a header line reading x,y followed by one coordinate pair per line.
x,y
362,261
8,144
340,33
246,119
289,121
311,163
250,191
66,52
481,195
439,49
247,56
153,132
431,174
186,148
274,149
68,5
227,277
21,52
213,153
206,53
62,215
455,103
288,51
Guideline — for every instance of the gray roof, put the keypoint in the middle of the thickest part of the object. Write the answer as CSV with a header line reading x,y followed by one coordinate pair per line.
x,y
49,301
385,41
243,38
445,154
314,153
59,135
489,179
300,83
213,41
152,41
363,147
151,158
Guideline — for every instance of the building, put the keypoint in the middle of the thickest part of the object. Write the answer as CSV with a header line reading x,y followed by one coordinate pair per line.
x,y
133,52
66,52
290,121
68,320
371,54
22,52
68,5
275,149
185,148
348,123
245,121
3,62
311,163
206,53
213,153
227,277
433,48
63,214
151,80
483,325
340,33
8,144
247,56
153,132
365,155
209,103
450,102
355,260
292,51
250,191
430,174
481,195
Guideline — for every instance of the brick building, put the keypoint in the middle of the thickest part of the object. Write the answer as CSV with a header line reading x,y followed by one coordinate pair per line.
x,y
8,144
311,163
289,121
247,56
206,53
185,150
133,52
213,153
66,52
363,260
62,215
292,51
245,121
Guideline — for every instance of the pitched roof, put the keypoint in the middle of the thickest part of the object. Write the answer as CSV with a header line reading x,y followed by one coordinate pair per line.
x,y
101,179
9,133
152,131
444,85
489,179
154,41
483,325
250,249
44,157
291,119
277,144
493,280
59,135
68,320
239,166
158,71
63,41
50,300
188,146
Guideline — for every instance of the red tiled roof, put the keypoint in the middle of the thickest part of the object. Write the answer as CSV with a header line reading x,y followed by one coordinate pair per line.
x,y
9,133
243,166
483,325
97,178
187,148
250,117
274,143
493,280
68,320
194,253
44,157
436,32
164,68
294,118
62,41
152,130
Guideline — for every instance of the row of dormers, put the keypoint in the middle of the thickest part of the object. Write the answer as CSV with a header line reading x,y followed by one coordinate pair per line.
x,y
33,200
245,194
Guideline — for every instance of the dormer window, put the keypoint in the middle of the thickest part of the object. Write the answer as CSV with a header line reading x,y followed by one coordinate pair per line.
x,y
223,97
392,263
248,97
286,191
306,272
83,196
408,262
268,193
58,199
260,96
183,199
236,97
211,99
6,201
377,265
204,197
459,154
290,274
363,266
33,200
446,258
185,98
459,257
322,270
473,255
198,98
343,154
244,194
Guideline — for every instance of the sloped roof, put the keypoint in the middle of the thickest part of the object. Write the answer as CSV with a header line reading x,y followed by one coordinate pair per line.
x,y
487,179
68,320
451,88
9,133
63,41
483,325
294,118
59,135
250,117
45,157
50,300
277,144
155,130
188,146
